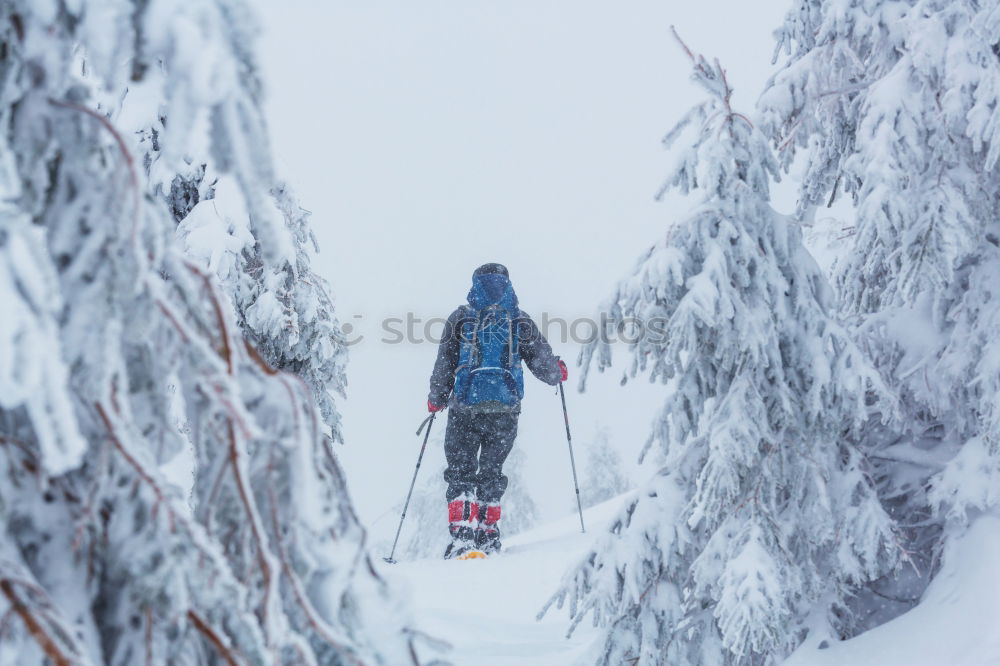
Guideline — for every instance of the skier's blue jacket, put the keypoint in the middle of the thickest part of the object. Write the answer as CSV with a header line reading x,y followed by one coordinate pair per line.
x,y
479,358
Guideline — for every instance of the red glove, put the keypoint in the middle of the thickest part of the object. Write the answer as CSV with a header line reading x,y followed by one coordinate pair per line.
x,y
562,369
431,407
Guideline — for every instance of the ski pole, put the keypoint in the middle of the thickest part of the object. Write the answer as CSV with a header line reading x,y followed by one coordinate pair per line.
x,y
429,421
572,462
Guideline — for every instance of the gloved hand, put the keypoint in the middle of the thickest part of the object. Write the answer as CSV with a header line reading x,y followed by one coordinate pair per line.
x,y
431,407
563,370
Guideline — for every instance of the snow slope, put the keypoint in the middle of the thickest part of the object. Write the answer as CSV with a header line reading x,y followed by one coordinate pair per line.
x,y
956,624
486,609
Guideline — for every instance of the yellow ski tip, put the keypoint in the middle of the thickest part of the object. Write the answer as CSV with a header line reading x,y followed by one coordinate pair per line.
x,y
472,555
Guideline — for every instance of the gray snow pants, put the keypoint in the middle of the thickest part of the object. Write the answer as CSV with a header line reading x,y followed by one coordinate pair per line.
x,y
476,446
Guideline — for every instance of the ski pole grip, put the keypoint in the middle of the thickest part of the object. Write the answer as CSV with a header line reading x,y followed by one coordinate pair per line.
x,y
425,422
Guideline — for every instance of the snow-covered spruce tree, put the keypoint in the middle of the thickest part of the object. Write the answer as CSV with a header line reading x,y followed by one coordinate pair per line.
x,y
119,353
283,308
520,512
425,532
761,516
603,477
897,103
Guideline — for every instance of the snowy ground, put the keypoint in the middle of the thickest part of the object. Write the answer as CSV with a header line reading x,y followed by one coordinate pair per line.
x,y
956,623
486,608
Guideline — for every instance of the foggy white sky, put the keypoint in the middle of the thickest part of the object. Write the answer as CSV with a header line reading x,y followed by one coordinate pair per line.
x,y
429,137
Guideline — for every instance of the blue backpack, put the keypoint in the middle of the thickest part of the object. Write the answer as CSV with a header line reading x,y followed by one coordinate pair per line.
x,y
489,362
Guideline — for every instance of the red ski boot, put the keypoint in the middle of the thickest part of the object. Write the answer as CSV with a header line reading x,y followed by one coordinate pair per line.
x,y
463,517
488,529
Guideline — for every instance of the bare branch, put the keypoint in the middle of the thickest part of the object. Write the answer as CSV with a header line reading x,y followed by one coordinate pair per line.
x,y
210,634
34,625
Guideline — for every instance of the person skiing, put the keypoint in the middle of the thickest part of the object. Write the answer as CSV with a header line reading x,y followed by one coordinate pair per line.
x,y
478,375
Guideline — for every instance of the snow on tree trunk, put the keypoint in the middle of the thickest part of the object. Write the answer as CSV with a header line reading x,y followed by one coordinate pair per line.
x,y
118,353
897,103
761,516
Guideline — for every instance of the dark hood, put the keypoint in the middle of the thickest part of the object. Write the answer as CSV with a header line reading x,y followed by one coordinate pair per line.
x,y
492,289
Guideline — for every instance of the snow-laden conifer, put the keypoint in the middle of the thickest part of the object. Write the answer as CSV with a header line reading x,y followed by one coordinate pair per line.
x,y
897,103
602,475
119,353
761,515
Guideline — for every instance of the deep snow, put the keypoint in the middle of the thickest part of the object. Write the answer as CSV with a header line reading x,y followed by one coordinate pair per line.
x,y
956,623
486,609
